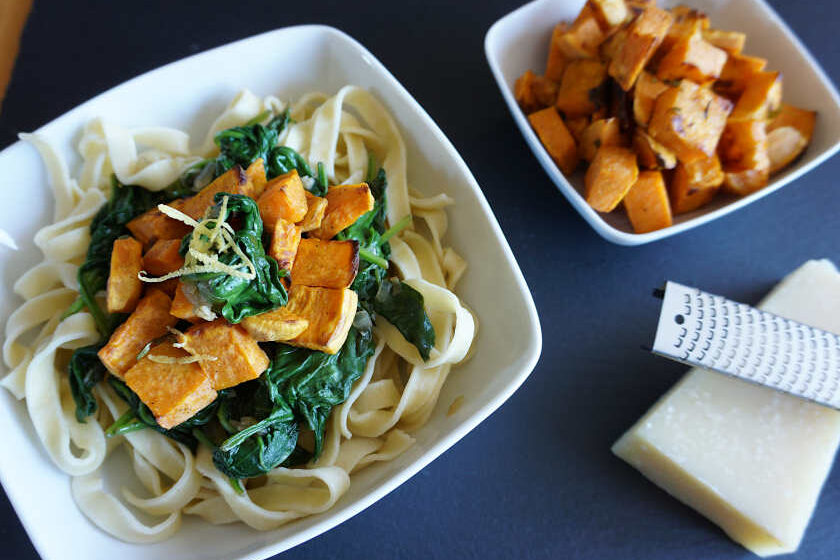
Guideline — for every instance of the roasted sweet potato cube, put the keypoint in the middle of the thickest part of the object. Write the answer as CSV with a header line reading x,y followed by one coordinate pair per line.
x,y
163,257
689,120
644,34
743,145
730,41
279,325
238,356
737,73
582,89
647,203
556,138
686,197
149,320
174,392
283,197
316,208
330,314
761,98
153,225
584,36
182,307
233,181
614,43
609,177
345,205
328,264
285,238
692,58
124,287
256,177
704,172
609,13
576,127
800,119
534,92
603,132
651,154
556,57
648,88
748,181
783,146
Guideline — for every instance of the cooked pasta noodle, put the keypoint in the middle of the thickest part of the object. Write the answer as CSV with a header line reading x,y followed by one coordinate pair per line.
x,y
395,395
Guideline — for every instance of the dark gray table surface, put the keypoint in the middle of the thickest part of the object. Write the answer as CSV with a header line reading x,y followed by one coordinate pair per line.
x,y
537,479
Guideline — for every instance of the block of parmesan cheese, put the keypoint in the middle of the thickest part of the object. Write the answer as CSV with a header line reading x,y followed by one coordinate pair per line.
x,y
751,459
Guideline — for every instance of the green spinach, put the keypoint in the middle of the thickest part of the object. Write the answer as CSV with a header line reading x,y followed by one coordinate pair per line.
x,y
233,297
402,305
86,370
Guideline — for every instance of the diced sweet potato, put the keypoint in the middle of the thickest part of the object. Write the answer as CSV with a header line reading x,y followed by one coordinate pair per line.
x,y
256,176
233,181
614,43
238,356
603,132
153,225
730,41
163,257
609,13
703,173
800,119
316,208
609,177
328,264
689,120
644,34
742,183
687,22
581,90
648,88
124,286
182,307
686,197
556,57
556,138
761,98
652,154
584,36
534,92
284,243
783,146
149,320
737,73
576,127
330,314
692,58
647,203
279,325
345,205
743,145
173,392
283,197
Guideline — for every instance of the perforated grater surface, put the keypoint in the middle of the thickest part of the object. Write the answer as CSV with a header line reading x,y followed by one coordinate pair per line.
x,y
712,332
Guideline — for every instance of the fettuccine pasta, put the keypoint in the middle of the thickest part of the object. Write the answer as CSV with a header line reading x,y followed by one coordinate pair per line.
x,y
394,397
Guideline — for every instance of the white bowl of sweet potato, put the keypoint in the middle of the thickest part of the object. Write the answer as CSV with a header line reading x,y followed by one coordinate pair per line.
x,y
654,119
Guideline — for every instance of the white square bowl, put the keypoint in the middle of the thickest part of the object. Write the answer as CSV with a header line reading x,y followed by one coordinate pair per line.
x,y
188,94
519,42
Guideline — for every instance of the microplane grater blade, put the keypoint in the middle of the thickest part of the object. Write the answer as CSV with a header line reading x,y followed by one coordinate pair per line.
x,y
711,332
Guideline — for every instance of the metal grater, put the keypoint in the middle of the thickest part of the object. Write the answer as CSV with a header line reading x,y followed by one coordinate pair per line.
x,y
712,332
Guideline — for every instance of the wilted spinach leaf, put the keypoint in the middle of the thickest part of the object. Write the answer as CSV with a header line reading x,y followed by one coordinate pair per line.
x,y
233,297
402,305
243,145
85,371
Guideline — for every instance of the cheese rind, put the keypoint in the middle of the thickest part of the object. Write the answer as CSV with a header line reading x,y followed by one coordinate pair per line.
x,y
750,458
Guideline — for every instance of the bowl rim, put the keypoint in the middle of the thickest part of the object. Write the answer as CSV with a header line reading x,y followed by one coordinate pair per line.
x,y
593,218
531,353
